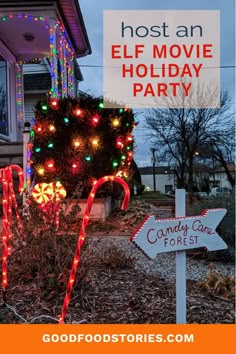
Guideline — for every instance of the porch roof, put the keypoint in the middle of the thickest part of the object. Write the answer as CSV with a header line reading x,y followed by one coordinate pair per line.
x,y
13,32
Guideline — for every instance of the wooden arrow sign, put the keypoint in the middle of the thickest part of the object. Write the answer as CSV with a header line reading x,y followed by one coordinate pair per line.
x,y
165,235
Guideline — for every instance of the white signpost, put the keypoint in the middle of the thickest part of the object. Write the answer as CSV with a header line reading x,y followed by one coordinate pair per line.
x,y
179,234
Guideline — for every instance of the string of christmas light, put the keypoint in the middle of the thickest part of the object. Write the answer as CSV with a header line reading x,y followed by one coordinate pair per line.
x,y
82,233
9,199
29,163
19,92
74,138
55,29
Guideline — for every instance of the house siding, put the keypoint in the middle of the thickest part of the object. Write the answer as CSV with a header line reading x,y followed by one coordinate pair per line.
x,y
163,182
30,102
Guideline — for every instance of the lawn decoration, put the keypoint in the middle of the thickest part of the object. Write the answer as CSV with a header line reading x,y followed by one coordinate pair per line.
x,y
81,237
49,196
176,234
180,234
8,202
42,193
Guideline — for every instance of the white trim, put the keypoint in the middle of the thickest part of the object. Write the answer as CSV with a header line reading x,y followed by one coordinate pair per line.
x,y
11,92
6,53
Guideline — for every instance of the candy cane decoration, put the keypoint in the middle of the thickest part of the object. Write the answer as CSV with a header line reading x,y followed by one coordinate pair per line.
x,y
59,193
81,237
8,199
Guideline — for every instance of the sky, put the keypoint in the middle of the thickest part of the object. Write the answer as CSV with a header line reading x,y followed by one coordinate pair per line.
x,y
92,65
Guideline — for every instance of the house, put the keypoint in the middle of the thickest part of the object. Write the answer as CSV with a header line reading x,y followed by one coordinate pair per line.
x,y
204,178
164,178
218,177
40,32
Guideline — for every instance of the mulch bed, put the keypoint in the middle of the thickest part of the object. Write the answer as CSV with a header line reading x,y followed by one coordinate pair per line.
x,y
107,295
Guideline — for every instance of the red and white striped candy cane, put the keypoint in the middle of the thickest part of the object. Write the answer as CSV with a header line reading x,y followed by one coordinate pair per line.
x,y
81,237
12,196
8,199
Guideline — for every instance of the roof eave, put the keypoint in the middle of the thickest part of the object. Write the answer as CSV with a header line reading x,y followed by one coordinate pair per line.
x,y
87,47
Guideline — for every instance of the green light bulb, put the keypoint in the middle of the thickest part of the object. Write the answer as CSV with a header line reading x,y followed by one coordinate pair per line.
x,y
114,164
101,105
38,149
50,145
44,107
66,120
88,158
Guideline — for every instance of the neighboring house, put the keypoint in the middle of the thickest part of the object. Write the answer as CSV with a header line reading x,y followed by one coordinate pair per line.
x,y
218,177
165,179
48,32
203,178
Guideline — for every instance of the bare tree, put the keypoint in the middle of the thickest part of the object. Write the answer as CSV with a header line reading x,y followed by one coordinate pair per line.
x,y
179,133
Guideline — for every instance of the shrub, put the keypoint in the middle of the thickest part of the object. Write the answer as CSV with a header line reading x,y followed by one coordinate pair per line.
x,y
219,284
226,228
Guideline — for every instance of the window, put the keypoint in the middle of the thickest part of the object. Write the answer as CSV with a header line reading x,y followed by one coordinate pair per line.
x,y
4,127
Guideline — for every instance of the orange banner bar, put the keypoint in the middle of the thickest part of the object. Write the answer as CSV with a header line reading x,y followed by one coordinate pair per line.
x,y
112,339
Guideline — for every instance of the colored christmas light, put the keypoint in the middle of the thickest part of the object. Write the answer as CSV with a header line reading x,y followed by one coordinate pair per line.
x,y
115,164
84,142
130,138
95,120
44,108
52,128
82,233
56,30
19,93
54,103
76,143
29,162
41,171
119,142
38,149
115,122
50,165
50,145
77,112
95,142
101,105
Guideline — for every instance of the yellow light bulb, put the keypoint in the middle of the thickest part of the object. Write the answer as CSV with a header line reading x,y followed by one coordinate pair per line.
x,y
41,171
52,128
115,122
95,142
76,143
